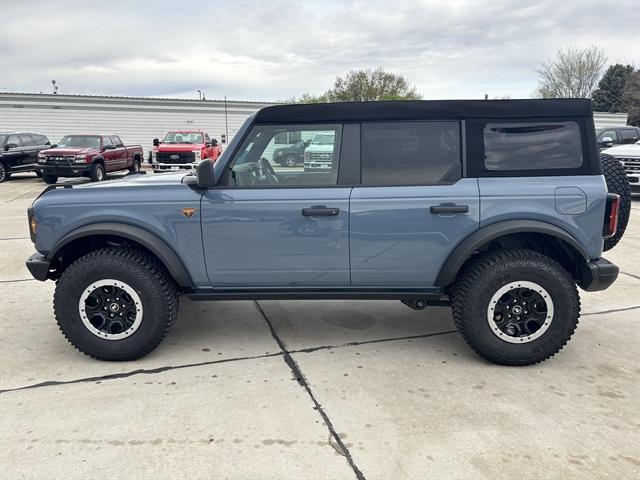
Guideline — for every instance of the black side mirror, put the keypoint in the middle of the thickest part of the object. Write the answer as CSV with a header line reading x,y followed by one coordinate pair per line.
x,y
207,144
214,142
205,174
109,147
9,146
156,142
55,145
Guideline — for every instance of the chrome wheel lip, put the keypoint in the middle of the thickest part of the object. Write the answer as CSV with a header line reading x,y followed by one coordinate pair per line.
x,y
511,286
111,283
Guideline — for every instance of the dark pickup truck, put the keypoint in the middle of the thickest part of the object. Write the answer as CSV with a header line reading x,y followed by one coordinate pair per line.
x,y
90,156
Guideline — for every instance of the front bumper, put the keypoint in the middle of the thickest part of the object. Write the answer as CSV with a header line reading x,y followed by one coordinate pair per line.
x,y
39,266
168,167
598,275
79,170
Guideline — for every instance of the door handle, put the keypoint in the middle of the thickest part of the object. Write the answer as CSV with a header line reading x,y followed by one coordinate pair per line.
x,y
320,211
449,208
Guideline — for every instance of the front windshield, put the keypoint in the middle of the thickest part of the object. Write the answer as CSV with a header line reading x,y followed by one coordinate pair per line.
x,y
80,141
183,137
323,139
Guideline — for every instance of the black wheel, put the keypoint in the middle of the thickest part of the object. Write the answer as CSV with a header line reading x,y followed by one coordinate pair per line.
x,y
38,173
97,172
617,182
291,161
135,167
515,307
115,304
4,174
50,179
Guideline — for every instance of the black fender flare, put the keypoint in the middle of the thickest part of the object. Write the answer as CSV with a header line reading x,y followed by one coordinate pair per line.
x,y
97,160
480,237
150,241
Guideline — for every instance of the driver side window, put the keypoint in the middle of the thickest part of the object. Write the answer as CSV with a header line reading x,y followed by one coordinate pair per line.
x,y
310,158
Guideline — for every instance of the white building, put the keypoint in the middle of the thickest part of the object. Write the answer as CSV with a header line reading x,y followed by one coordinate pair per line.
x,y
136,120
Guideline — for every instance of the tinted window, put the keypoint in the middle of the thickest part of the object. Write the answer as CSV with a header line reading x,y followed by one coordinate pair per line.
x,y
410,153
26,140
258,161
629,135
608,133
106,141
13,139
532,146
40,139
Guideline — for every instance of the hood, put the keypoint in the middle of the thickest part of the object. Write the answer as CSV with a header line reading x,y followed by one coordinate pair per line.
x,y
178,147
632,150
68,151
139,180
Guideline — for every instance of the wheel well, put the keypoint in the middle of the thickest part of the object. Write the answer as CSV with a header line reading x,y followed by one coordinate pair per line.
x,y
79,247
100,161
559,250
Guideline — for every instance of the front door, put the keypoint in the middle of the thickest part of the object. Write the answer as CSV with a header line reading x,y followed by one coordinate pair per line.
x,y
273,226
413,207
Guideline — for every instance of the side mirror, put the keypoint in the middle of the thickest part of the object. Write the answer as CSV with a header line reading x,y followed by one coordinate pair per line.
x,y
205,174
214,142
109,147
55,145
9,146
607,141
156,142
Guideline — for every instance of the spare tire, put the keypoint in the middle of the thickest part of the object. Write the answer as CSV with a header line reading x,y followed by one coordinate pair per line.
x,y
617,182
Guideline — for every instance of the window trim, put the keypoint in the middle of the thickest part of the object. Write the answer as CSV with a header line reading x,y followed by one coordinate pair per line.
x,y
221,183
462,159
475,145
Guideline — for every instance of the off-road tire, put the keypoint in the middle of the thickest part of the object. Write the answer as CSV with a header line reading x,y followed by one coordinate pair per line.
x,y
98,172
4,172
483,276
135,167
617,182
50,179
150,280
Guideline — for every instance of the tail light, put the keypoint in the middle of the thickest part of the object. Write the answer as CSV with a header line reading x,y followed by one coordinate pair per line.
x,y
611,215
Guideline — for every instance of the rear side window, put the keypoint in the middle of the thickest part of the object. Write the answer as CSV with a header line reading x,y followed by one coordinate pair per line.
x,y
26,140
629,135
40,139
532,146
410,153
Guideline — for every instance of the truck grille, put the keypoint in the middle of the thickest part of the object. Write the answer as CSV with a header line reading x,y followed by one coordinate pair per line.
x,y
318,157
631,165
178,157
65,160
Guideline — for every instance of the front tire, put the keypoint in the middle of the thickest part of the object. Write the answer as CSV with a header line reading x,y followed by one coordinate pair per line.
x,y
4,173
291,161
515,307
50,179
97,172
115,304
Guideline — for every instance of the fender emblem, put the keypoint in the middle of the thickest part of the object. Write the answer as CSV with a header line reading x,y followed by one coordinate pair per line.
x,y
188,212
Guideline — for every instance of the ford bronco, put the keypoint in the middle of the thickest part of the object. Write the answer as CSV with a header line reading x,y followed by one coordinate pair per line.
x,y
497,208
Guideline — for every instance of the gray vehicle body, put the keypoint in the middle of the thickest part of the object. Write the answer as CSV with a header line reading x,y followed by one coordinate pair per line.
x,y
392,241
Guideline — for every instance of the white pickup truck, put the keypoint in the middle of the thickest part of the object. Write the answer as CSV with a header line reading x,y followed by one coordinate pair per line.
x,y
629,156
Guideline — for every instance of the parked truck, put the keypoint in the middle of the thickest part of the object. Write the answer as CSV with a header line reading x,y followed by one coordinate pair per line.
x,y
88,155
183,150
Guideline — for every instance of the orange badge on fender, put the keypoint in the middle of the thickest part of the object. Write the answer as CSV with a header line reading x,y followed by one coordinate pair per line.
x,y
188,212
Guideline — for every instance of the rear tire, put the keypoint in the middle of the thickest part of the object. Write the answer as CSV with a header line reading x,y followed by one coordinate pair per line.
x,y
617,182
50,179
94,324
97,172
135,167
537,284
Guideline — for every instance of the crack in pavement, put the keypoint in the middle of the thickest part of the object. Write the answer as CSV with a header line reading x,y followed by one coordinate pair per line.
x,y
19,280
630,275
613,310
14,238
299,376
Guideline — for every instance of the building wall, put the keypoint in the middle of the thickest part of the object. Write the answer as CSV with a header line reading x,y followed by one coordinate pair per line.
x,y
136,120
606,119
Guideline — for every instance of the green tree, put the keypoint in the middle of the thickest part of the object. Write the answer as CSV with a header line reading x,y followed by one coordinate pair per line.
x,y
572,74
631,98
366,86
609,96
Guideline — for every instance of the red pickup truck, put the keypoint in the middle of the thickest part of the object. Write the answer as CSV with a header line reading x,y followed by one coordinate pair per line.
x,y
183,150
88,155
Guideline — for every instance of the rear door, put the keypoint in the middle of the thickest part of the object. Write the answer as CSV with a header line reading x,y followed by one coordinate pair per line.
x,y
413,206
29,151
270,226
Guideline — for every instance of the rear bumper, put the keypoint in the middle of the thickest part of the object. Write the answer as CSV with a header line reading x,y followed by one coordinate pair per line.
x,y
39,266
598,275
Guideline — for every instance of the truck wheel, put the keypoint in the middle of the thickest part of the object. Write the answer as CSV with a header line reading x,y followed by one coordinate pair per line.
x,y
3,172
290,161
515,307
97,173
115,304
135,167
38,173
617,182
50,179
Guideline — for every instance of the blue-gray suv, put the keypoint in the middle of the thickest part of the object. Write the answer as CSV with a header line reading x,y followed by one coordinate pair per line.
x,y
497,208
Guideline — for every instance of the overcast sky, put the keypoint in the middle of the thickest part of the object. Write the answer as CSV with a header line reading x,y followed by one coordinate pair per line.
x,y
275,50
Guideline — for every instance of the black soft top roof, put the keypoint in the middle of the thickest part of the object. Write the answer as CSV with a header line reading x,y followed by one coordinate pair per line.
x,y
423,110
